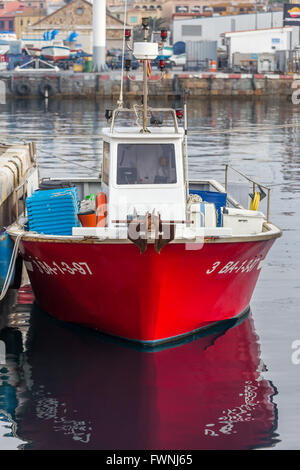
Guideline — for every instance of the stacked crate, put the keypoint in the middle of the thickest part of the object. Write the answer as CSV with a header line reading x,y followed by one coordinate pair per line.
x,y
54,211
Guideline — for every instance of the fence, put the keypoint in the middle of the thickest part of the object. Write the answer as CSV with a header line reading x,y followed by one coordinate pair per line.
x,y
243,188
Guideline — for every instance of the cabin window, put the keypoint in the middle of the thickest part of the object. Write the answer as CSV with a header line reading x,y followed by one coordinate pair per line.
x,y
105,172
146,164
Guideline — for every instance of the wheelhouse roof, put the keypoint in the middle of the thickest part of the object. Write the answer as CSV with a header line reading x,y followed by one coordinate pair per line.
x,y
134,133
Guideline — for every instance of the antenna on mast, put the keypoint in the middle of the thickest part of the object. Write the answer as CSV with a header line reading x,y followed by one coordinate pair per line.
x,y
144,51
145,25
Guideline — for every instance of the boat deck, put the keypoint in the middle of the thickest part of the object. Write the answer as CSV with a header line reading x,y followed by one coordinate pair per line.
x,y
87,185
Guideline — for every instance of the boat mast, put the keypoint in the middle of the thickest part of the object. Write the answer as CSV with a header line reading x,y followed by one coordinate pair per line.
x,y
145,95
143,51
145,24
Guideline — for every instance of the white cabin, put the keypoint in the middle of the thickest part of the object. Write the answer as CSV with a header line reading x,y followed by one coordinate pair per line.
x,y
143,172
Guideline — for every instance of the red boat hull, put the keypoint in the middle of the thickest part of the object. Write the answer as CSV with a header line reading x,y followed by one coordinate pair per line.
x,y
55,58
146,297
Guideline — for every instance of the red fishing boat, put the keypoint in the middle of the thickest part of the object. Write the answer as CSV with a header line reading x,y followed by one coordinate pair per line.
x,y
156,256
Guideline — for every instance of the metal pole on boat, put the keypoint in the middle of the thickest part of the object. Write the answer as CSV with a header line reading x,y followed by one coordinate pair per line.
x,y
186,147
145,95
268,205
145,24
99,35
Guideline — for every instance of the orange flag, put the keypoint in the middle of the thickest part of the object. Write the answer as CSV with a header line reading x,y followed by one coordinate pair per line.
x,y
148,68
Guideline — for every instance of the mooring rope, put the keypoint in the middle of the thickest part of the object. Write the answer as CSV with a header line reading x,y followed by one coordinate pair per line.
x,y
71,162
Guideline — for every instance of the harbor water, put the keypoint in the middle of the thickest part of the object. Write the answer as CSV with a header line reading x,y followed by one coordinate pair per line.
x,y
66,387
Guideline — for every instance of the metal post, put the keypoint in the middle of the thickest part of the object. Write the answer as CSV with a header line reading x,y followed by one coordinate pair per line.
x,y
16,203
186,166
145,84
255,6
145,96
226,177
99,35
272,19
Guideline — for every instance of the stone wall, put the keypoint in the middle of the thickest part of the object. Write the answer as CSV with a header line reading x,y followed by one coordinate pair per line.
x,y
91,85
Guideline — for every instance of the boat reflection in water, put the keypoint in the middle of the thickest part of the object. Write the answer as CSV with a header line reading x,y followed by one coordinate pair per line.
x,y
83,390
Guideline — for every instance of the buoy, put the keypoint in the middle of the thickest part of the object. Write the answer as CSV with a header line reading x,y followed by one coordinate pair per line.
x,y
213,67
101,209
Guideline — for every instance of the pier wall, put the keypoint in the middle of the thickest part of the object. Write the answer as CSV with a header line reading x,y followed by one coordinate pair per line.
x,y
91,85
15,162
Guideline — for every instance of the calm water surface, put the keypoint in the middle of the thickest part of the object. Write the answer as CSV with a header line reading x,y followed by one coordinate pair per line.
x,y
64,387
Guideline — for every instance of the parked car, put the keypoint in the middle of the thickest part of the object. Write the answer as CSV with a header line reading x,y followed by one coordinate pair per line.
x,y
116,62
155,62
114,52
179,59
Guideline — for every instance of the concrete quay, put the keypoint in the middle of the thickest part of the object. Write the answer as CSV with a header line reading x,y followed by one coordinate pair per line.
x,y
45,84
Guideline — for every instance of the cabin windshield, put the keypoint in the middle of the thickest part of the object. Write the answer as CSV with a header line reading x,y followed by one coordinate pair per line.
x,y
146,164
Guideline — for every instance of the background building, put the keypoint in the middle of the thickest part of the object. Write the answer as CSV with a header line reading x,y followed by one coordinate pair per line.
x,y
76,16
214,27
196,8
24,19
136,10
261,41
35,3
7,14
38,4
53,5
15,16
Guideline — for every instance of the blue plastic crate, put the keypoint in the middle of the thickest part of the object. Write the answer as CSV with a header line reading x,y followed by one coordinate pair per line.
x,y
53,196
54,211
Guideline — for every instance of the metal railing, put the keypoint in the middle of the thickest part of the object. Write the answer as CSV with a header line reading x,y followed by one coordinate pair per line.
x,y
137,110
255,185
